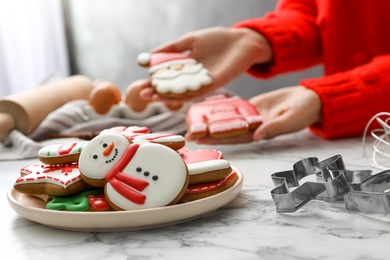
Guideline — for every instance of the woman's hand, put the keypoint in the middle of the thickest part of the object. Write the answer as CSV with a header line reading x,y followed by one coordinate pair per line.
x,y
285,110
225,52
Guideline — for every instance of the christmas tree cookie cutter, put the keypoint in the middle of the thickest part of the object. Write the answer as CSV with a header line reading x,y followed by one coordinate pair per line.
x,y
333,181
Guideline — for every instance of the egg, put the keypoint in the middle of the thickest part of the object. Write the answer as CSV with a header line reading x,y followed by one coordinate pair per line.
x,y
103,96
133,99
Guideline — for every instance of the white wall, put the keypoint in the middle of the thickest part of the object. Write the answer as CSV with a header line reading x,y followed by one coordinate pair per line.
x,y
106,36
32,44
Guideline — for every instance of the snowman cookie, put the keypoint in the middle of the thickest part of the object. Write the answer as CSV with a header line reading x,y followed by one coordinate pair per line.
x,y
134,175
175,75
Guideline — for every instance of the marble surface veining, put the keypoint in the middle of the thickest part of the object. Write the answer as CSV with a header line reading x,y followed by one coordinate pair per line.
x,y
246,228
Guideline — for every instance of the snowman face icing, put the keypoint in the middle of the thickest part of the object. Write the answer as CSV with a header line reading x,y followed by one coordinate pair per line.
x,y
138,176
159,166
101,154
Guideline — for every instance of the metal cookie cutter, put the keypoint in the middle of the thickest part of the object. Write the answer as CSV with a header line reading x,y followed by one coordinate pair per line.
x,y
332,182
370,196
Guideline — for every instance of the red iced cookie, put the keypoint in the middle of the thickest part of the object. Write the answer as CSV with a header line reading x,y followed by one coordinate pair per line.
x,y
205,165
222,116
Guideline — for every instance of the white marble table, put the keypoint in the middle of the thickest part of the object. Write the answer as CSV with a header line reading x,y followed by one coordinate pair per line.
x,y
247,228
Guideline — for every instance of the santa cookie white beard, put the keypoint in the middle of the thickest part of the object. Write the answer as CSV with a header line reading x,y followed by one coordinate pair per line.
x,y
175,75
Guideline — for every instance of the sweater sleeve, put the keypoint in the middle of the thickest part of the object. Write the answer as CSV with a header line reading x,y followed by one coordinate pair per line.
x,y
293,34
351,98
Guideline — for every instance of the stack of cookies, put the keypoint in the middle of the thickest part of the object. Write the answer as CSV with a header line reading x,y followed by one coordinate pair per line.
x,y
124,168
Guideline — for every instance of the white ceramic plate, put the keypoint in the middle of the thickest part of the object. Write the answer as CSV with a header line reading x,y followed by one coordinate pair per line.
x,y
34,209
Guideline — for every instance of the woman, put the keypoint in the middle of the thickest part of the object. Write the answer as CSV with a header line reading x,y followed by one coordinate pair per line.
x,y
351,39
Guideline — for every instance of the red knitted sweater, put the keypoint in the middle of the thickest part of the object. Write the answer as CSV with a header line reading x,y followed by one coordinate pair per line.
x,y
352,41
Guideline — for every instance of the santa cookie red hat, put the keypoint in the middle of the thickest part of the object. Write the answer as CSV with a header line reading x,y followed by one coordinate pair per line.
x,y
156,61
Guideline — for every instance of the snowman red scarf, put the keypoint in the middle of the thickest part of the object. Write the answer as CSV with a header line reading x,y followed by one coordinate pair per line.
x,y
122,182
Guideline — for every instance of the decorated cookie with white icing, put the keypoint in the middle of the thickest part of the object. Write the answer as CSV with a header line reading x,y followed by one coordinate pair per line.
x,y
204,190
56,154
127,130
175,75
52,180
140,135
61,153
220,116
205,165
134,175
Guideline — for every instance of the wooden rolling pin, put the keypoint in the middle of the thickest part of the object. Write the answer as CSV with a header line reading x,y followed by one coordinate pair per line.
x,y
24,111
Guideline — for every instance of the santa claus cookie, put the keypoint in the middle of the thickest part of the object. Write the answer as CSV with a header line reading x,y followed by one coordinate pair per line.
x,y
51,180
175,75
134,175
205,165
220,116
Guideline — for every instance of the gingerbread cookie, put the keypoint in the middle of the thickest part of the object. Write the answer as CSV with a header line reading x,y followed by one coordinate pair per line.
x,y
138,134
220,116
61,153
134,175
90,200
69,152
52,180
204,190
175,75
205,165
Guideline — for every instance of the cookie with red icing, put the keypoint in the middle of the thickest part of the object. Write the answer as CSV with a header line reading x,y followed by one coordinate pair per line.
x,y
61,153
134,175
220,116
175,75
51,180
56,154
139,135
205,165
204,190
90,200
209,173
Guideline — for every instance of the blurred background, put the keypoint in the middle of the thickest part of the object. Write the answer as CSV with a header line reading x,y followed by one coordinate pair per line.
x,y
44,39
